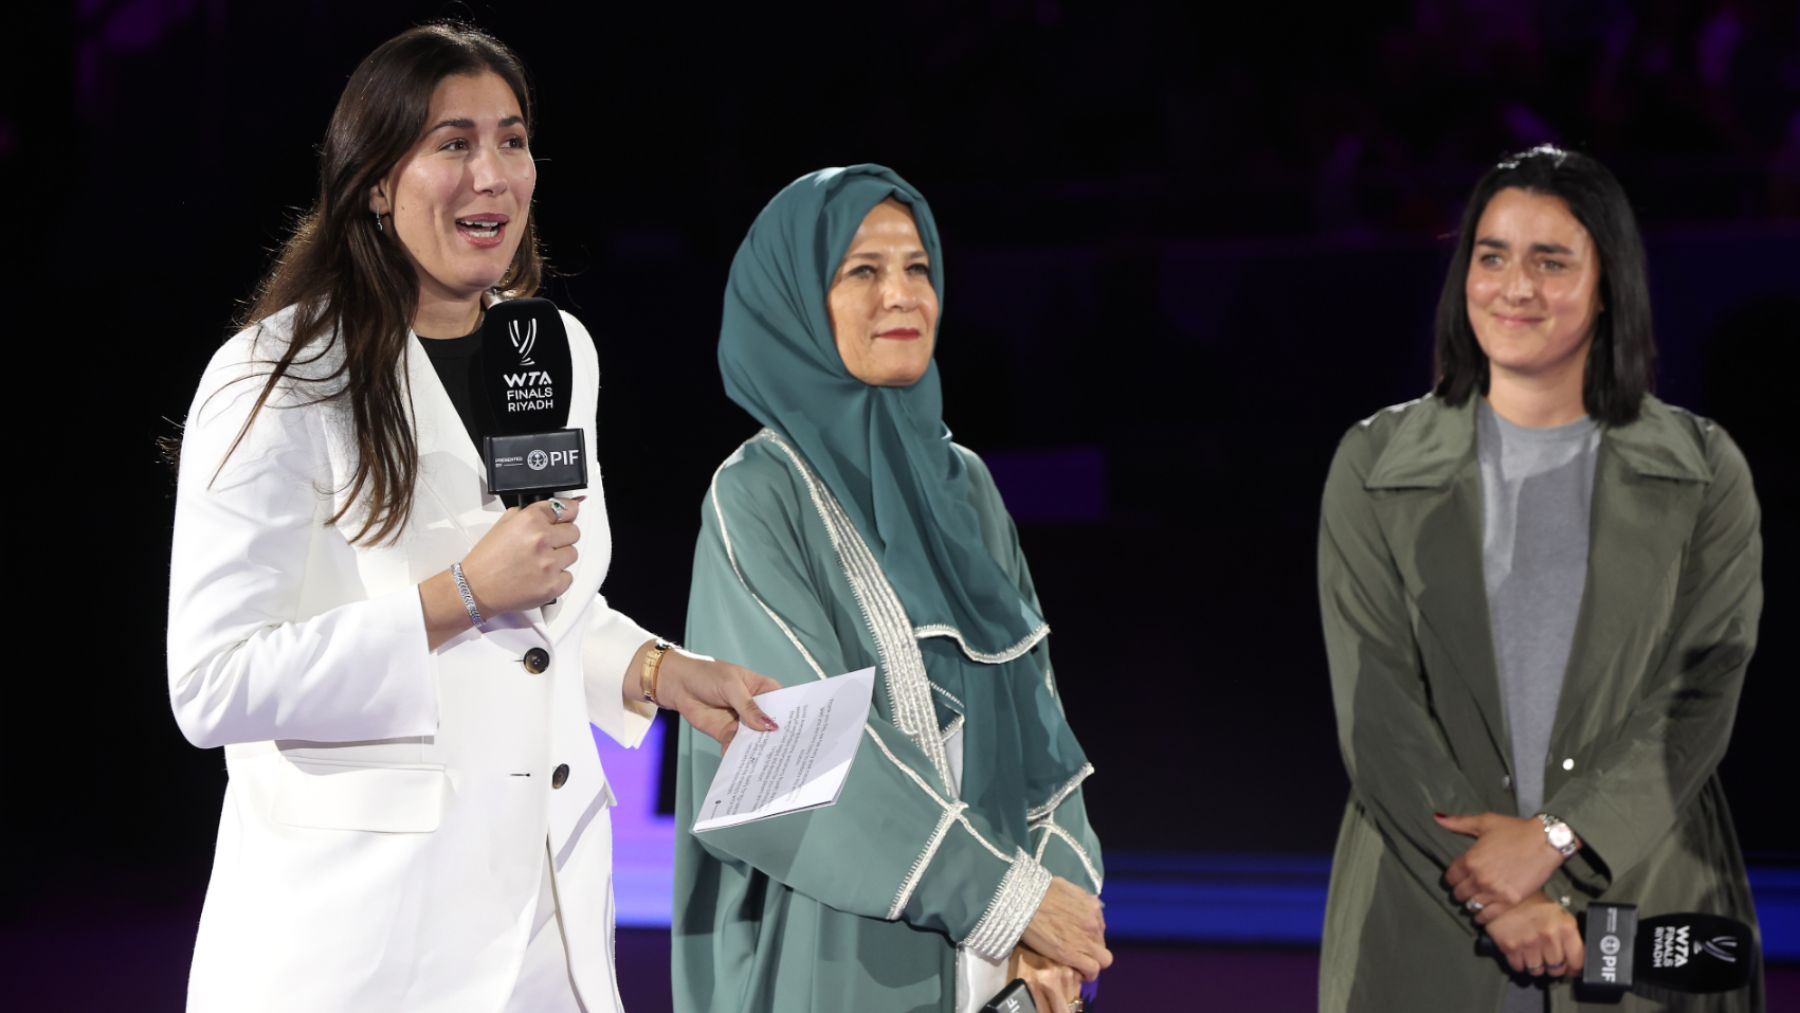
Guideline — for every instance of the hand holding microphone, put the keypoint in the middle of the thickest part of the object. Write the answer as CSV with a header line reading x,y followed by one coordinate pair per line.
x,y
524,559
1617,951
1053,986
1538,937
522,562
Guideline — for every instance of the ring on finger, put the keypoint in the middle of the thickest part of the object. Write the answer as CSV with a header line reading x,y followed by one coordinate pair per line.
x,y
556,507
1535,969
1473,905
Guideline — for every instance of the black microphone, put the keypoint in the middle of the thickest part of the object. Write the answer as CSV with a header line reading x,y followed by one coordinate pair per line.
x,y
526,375
1016,998
1686,952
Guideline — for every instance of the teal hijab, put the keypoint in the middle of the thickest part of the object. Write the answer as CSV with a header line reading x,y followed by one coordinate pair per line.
x,y
883,451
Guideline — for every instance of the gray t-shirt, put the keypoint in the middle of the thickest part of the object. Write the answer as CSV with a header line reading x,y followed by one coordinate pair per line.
x,y
1536,485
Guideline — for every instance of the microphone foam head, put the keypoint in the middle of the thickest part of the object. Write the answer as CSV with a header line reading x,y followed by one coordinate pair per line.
x,y
1694,952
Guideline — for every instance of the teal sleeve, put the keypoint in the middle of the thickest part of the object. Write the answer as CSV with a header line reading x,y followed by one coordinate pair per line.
x,y
1067,845
1062,839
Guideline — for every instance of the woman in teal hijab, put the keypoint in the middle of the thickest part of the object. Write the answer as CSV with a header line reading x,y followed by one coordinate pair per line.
x,y
851,532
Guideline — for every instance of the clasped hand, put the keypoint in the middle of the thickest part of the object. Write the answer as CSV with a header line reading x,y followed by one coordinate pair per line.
x,y
1064,945
1539,937
1500,881
1509,861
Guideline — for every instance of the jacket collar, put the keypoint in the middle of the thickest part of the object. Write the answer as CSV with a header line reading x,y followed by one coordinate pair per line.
x,y
451,470
1434,441
1661,444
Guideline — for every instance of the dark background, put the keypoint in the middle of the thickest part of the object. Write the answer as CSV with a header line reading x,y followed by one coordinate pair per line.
x,y
1184,251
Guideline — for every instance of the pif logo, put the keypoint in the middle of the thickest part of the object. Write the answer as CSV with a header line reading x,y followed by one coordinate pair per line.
x,y
1609,958
538,460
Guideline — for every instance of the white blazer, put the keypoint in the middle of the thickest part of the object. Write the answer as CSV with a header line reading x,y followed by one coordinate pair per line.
x,y
383,839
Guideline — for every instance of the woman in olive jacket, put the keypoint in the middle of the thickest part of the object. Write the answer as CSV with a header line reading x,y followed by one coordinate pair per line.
x,y
1540,588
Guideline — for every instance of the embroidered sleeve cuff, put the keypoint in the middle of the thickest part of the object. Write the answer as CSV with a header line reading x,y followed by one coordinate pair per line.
x,y
1014,904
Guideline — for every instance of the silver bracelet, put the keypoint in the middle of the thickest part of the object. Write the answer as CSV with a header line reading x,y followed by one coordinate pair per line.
x,y
468,596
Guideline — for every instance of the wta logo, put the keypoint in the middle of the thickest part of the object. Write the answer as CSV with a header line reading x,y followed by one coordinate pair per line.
x,y
523,339
1674,948
1721,947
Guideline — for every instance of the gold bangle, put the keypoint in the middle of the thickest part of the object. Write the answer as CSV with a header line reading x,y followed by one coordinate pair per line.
x,y
653,665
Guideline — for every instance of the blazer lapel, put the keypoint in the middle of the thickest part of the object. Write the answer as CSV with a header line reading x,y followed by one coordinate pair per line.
x,y
1434,525
1645,482
452,481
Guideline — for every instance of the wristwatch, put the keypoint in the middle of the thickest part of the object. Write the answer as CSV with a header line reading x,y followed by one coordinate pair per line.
x,y
1558,834
652,665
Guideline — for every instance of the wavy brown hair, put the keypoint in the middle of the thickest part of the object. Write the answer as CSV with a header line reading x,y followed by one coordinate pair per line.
x,y
351,282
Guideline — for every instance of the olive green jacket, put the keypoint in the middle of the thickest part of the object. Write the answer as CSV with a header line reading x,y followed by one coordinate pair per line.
x,y
1666,630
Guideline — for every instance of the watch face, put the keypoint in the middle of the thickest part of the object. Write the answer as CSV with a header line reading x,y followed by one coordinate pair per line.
x,y
1560,835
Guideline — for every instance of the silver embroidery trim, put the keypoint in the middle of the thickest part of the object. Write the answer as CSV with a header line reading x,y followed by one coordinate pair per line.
x,y
952,728
909,689
984,842
1017,650
952,812
931,792
1021,890
1081,854
731,556
911,882
1036,813
946,694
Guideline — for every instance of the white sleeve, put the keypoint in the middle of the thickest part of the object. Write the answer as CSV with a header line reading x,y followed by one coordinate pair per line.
x,y
611,639
244,664
609,643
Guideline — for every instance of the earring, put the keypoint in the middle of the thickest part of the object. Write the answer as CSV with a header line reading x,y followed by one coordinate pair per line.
x,y
379,227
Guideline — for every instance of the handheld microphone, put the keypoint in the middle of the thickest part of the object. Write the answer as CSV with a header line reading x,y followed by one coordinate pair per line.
x,y
525,375
1016,998
1686,952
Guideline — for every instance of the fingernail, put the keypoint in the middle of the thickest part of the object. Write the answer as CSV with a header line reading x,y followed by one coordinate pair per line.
x,y
1440,816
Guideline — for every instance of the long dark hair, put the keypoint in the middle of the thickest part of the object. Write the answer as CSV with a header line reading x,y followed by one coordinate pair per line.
x,y
1621,362
351,282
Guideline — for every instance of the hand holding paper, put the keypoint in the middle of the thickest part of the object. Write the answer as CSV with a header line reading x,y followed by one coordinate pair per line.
x,y
802,764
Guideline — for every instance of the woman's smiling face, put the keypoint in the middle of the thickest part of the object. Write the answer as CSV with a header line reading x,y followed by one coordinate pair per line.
x,y
1533,285
460,198
882,303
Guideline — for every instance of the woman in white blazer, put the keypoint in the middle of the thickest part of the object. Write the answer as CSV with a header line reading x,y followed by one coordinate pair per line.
x,y
402,672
